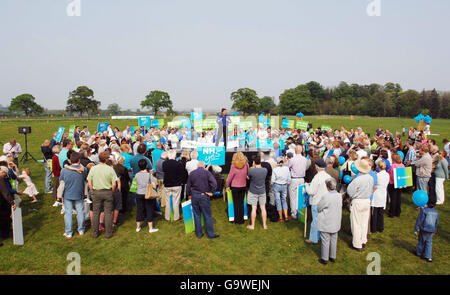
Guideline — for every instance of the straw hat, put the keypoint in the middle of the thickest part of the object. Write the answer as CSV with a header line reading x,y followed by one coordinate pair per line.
x,y
363,166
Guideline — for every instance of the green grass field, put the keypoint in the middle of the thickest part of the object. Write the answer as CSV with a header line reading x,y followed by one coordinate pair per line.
x,y
279,250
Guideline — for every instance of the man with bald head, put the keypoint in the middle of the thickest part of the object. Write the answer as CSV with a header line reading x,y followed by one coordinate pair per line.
x,y
12,149
297,167
200,186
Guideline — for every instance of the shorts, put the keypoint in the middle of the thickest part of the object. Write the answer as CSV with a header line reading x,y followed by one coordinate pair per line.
x,y
117,200
254,199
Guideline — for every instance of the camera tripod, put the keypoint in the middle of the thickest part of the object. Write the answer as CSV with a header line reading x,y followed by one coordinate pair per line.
x,y
27,156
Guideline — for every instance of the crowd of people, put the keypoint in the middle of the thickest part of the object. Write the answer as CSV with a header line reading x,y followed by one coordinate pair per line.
x,y
98,177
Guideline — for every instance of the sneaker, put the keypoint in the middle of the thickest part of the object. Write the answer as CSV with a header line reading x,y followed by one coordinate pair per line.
x,y
74,212
88,201
138,229
159,212
55,204
67,236
81,233
153,230
102,227
63,211
429,260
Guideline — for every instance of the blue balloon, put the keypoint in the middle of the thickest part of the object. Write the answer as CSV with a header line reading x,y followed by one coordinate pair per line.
x,y
347,179
341,160
353,168
402,155
420,198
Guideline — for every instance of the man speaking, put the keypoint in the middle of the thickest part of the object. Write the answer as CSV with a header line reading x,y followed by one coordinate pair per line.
x,y
223,120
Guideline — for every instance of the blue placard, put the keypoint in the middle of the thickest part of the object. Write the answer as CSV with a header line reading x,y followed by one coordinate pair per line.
x,y
214,155
59,134
154,123
303,197
150,144
144,121
285,123
102,127
196,116
186,123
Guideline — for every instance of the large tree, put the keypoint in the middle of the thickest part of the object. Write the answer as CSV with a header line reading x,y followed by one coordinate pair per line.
x,y
381,105
113,109
25,103
296,100
157,100
245,100
267,105
81,101
407,103
435,104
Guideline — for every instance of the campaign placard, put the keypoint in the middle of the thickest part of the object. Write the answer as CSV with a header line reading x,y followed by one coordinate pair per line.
x,y
325,127
102,127
196,116
71,131
212,155
59,134
403,177
300,124
144,121
303,202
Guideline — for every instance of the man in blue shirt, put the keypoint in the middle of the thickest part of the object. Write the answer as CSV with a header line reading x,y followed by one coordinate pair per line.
x,y
223,120
67,145
156,153
142,148
74,183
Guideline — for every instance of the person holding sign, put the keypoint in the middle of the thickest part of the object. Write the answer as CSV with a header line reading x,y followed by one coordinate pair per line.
x,y
223,120
395,194
199,188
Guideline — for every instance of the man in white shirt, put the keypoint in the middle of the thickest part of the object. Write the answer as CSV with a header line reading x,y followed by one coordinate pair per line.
x,y
193,163
361,152
12,149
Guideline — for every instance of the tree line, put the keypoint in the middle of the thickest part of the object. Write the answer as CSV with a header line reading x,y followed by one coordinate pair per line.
x,y
311,99
375,100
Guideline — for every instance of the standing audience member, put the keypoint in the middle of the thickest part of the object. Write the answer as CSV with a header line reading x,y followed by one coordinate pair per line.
x,y
144,207
200,186
426,226
441,173
423,168
316,189
378,203
360,190
56,170
329,221
257,192
297,166
6,203
159,174
122,173
102,183
395,194
281,178
73,195
237,182
173,180
48,154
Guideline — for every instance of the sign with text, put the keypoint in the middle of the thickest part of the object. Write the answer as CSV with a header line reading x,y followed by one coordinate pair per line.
x,y
403,177
102,127
325,127
59,134
303,125
212,155
71,131
195,116
303,202
145,121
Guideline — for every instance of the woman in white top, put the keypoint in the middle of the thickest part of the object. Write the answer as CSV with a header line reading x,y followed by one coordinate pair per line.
x,y
378,202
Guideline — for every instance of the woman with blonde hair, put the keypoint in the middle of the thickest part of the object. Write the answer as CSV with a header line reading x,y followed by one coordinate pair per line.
x,y
237,182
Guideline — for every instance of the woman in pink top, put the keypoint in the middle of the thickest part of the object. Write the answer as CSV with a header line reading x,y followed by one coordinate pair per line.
x,y
395,194
237,182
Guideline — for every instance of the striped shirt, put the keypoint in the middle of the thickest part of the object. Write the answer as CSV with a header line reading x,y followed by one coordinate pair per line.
x,y
410,156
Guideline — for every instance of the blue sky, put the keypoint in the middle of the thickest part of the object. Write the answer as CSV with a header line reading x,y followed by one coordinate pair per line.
x,y
201,50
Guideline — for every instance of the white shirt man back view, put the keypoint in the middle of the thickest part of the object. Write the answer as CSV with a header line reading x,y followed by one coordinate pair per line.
x,y
193,163
297,166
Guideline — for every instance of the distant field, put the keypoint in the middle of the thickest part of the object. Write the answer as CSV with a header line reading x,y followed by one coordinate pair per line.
x,y
279,250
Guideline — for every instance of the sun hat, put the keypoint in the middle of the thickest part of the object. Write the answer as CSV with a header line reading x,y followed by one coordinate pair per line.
x,y
363,166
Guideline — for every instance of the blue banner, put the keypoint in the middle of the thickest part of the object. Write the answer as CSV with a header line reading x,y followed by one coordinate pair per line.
x,y
144,121
102,127
285,123
196,116
212,155
59,134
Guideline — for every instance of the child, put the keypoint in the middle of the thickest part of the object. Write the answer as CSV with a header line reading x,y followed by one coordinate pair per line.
x,y
31,188
426,225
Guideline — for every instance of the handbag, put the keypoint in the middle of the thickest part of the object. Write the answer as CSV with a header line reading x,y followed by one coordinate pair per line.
x,y
151,193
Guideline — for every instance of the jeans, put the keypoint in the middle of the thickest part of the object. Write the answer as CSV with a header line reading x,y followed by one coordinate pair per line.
x,y
314,234
422,183
48,178
68,220
425,244
99,198
280,193
293,195
202,206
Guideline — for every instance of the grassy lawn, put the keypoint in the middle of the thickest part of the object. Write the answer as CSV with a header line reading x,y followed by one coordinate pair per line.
x,y
279,250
